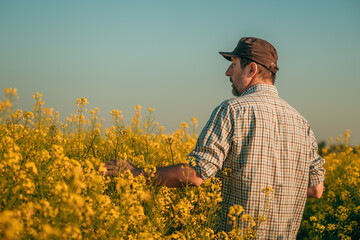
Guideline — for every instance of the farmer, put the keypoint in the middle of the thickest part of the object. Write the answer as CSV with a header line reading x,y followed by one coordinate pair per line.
x,y
262,140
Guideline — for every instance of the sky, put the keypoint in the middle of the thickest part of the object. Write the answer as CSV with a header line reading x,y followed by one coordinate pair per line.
x,y
163,54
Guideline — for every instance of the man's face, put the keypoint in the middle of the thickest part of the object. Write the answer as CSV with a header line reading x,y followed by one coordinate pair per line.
x,y
237,76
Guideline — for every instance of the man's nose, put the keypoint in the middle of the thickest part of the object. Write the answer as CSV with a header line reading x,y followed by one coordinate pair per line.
x,y
228,72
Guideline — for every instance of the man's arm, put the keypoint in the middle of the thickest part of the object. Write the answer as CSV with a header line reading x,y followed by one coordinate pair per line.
x,y
177,176
316,169
315,191
171,176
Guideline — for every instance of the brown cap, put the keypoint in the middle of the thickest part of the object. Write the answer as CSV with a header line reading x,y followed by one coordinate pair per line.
x,y
256,50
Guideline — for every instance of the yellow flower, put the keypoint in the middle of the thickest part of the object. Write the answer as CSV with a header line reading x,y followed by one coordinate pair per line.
x,y
184,125
194,120
7,90
10,225
81,102
28,115
331,227
32,167
235,210
49,232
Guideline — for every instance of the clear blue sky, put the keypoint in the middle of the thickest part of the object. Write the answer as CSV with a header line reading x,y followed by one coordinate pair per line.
x,y
164,55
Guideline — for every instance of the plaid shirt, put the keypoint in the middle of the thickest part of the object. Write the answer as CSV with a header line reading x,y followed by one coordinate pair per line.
x,y
265,143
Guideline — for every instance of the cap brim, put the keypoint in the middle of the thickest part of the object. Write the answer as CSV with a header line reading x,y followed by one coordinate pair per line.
x,y
227,55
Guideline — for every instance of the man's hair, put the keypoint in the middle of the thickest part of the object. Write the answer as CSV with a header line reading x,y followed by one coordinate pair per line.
x,y
263,72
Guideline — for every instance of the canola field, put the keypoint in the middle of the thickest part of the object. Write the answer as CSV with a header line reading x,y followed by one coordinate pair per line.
x,y
52,182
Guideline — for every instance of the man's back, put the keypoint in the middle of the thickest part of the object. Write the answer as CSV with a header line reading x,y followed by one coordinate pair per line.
x,y
266,143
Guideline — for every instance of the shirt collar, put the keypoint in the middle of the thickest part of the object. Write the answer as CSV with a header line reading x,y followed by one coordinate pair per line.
x,y
267,89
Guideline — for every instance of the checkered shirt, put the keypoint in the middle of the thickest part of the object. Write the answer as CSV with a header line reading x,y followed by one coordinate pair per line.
x,y
255,141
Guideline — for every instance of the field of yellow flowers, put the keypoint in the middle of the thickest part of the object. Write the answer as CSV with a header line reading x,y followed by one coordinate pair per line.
x,y
52,183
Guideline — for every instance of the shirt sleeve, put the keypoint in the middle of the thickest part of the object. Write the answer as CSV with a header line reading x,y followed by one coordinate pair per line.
x,y
316,170
214,142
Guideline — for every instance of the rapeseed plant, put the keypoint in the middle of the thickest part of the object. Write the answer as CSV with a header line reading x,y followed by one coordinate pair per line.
x,y
336,215
52,182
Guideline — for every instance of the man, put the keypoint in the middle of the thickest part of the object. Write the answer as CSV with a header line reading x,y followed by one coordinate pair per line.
x,y
261,139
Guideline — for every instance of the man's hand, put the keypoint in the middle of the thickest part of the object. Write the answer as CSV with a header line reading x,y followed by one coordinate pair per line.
x,y
179,175
315,191
117,166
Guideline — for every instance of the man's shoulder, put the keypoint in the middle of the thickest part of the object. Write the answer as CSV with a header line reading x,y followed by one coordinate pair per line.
x,y
259,101
230,103
246,100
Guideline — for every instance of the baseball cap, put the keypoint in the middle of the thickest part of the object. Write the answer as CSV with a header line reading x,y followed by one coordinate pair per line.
x,y
256,50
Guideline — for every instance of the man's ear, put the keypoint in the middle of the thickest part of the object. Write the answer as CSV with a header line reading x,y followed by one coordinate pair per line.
x,y
253,69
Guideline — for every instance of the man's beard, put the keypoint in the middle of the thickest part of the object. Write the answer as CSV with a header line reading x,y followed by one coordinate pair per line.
x,y
235,92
